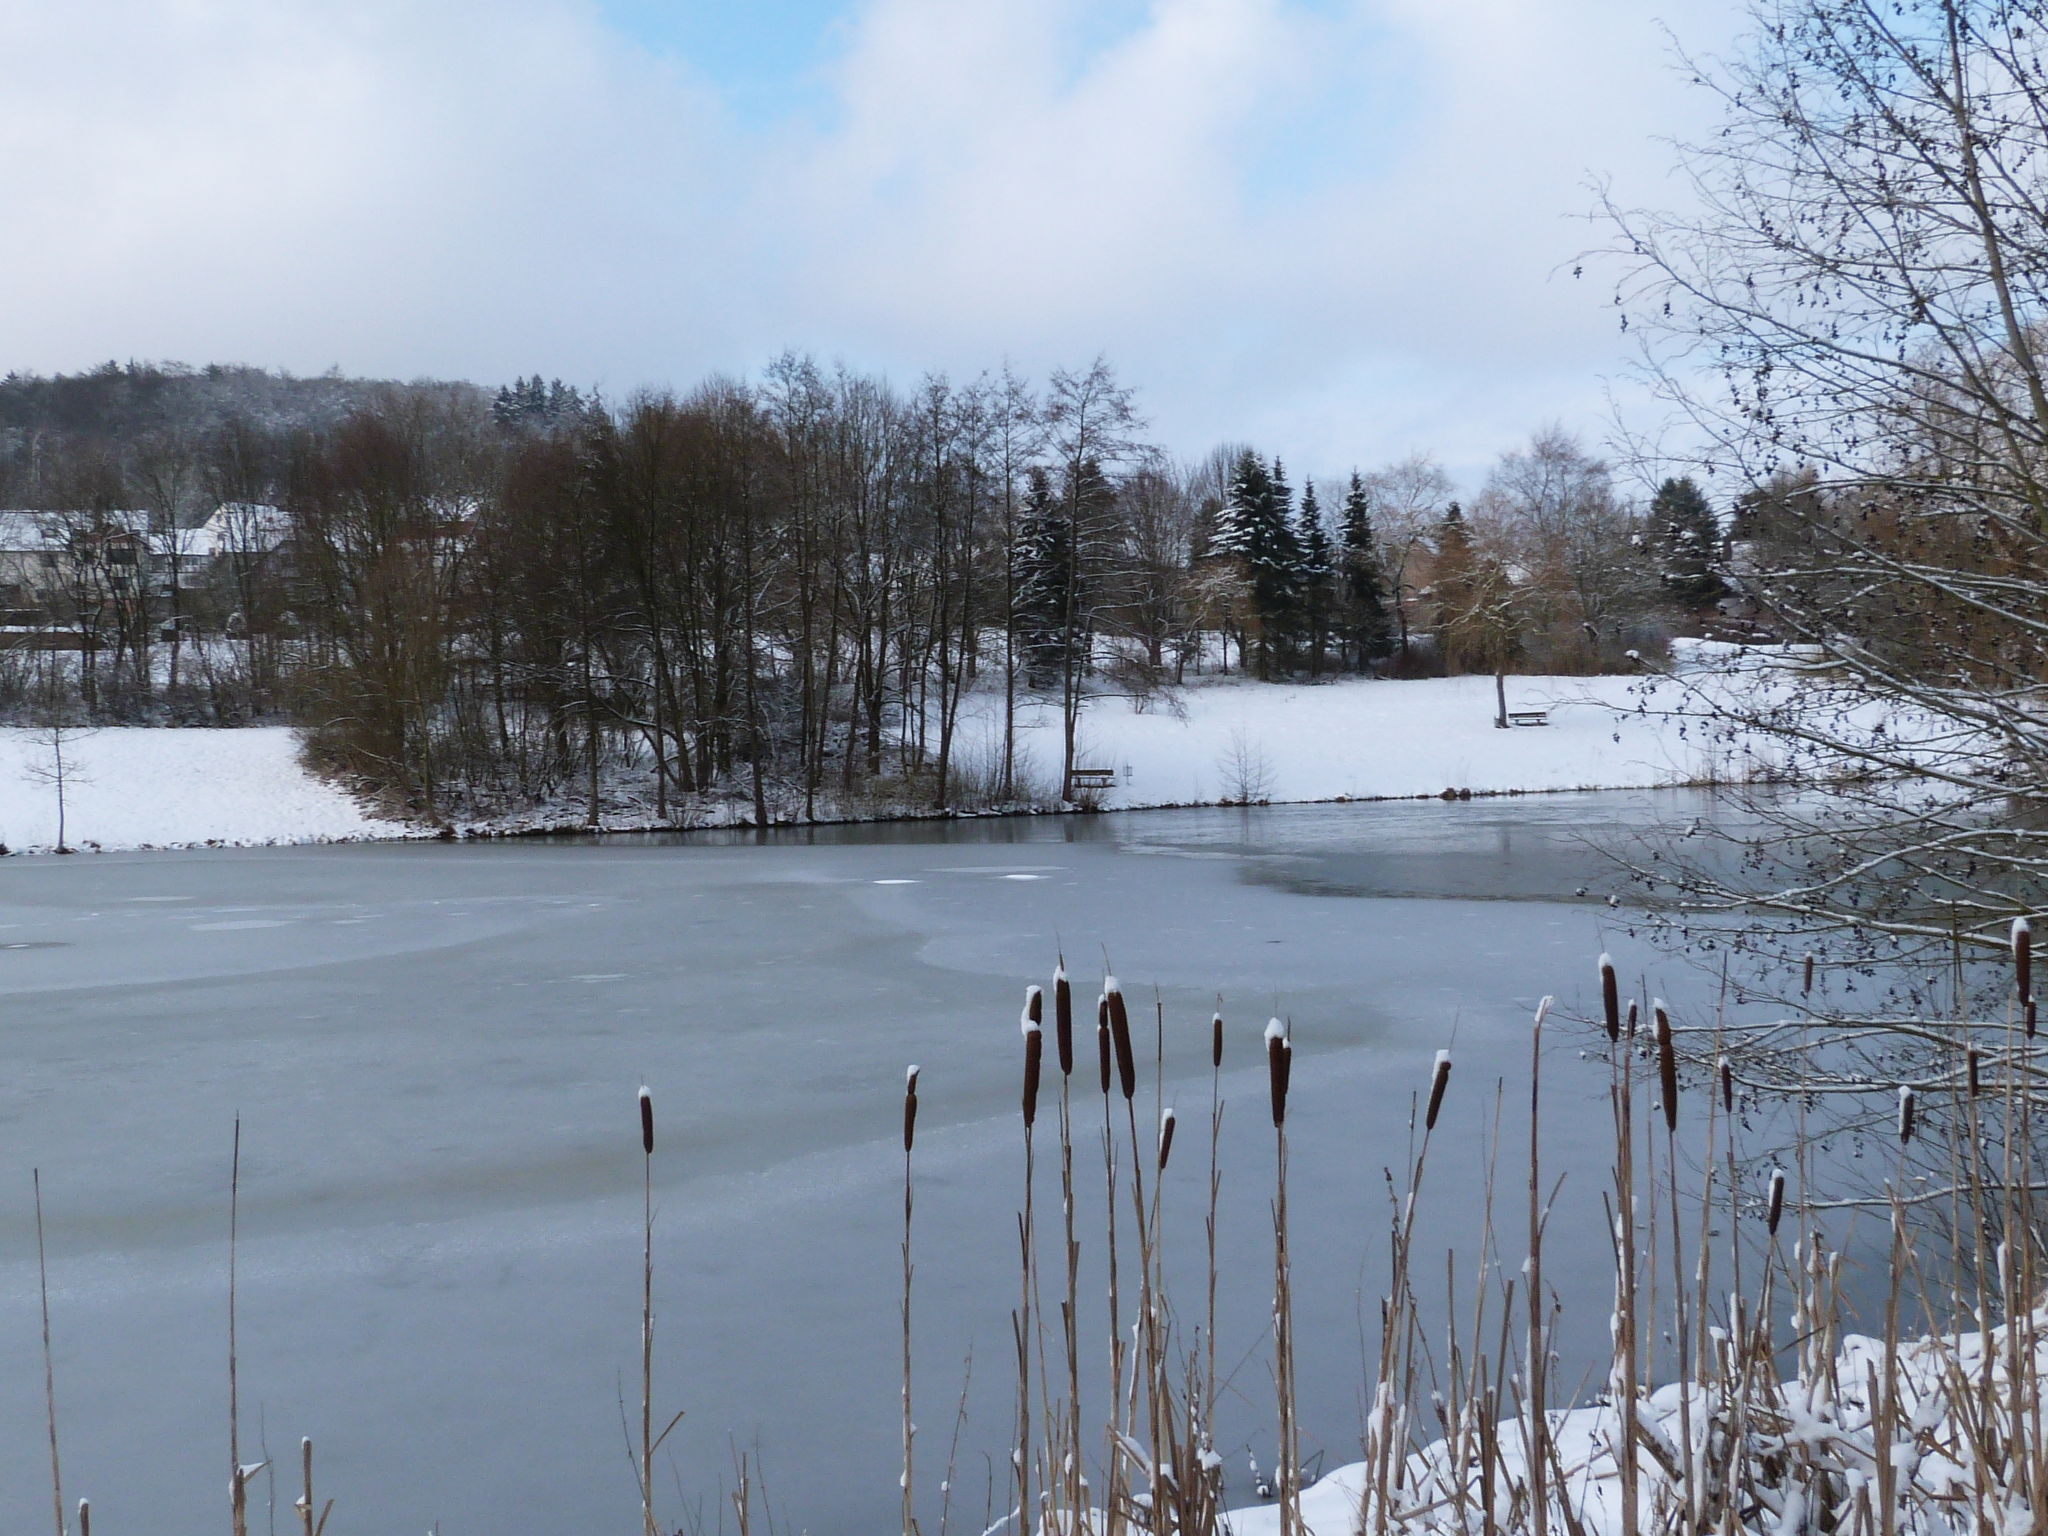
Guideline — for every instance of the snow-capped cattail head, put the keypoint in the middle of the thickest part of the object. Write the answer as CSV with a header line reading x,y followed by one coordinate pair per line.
x,y
2023,957
1776,1209
1120,1038
1974,1062
1166,1123
909,1107
1667,1064
1635,1015
1216,1041
85,1517
1439,1080
1034,1005
1727,1086
1610,997
1276,1068
1063,1020
1102,1040
1806,981
646,1123
1034,1052
1907,1101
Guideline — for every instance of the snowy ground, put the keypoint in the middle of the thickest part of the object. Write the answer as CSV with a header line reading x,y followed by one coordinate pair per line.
x,y
1217,740
1227,739
141,787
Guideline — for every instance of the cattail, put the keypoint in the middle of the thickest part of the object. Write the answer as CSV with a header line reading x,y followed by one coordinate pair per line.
x,y
1907,1100
1034,1051
1166,1123
1727,1086
1806,985
1120,1037
1102,1040
2023,956
1667,1065
1034,1005
1276,1068
1777,1206
646,1123
909,1108
1439,1080
1216,1042
1634,1017
1063,1020
85,1517
1610,996
1974,1061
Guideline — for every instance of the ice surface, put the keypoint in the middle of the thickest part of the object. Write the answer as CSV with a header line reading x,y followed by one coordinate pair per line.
x,y
440,1212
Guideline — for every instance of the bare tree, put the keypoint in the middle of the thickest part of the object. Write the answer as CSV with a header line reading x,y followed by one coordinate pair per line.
x,y
1851,320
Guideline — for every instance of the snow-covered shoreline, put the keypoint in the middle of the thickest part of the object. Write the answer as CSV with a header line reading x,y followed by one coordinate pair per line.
x,y
1219,741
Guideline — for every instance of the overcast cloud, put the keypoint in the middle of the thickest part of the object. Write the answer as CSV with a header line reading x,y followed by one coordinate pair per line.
x,y
1343,231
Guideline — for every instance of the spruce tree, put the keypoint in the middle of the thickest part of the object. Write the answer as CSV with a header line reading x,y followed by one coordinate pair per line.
x,y
1686,537
1275,557
1046,596
1368,623
1318,577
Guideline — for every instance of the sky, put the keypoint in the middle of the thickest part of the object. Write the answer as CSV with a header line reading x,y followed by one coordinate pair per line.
x,y
1343,230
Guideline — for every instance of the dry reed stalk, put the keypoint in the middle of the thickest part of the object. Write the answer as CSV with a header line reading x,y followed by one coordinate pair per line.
x,y
909,1429
1065,1441
308,1524
237,1478
1143,1372
1536,1433
49,1358
1034,1051
2023,968
1113,1459
1610,997
1287,1474
646,1100
1215,1191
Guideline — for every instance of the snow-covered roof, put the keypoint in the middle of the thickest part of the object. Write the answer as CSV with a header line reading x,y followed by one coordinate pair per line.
x,y
23,532
238,527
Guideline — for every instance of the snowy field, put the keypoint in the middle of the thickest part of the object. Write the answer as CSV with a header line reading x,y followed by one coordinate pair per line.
x,y
141,787
1218,740
1226,739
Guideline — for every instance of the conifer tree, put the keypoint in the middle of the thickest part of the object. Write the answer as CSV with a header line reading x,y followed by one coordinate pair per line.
x,y
1687,538
1366,620
1045,581
1318,600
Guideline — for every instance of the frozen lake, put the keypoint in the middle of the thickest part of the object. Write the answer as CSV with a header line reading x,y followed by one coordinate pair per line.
x,y
434,1051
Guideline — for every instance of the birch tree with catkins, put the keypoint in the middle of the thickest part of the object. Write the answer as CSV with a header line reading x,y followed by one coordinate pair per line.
x,y
1846,319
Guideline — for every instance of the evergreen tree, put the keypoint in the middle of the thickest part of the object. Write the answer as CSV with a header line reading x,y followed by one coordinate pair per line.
x,y
1686,537
1047,598
1318,601
1368,624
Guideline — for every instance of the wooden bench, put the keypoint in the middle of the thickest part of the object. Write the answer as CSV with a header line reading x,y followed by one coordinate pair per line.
x,y
1528,717
1092,778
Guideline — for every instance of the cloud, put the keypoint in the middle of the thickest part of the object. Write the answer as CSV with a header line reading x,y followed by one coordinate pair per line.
x,y
1335,228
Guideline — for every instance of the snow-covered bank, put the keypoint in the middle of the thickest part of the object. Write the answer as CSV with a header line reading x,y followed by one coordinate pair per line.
x,y
1228,739
156,787
1937,1435
1220,739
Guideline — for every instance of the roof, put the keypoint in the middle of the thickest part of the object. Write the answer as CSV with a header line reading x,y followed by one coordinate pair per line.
x,y
238,527
32,531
